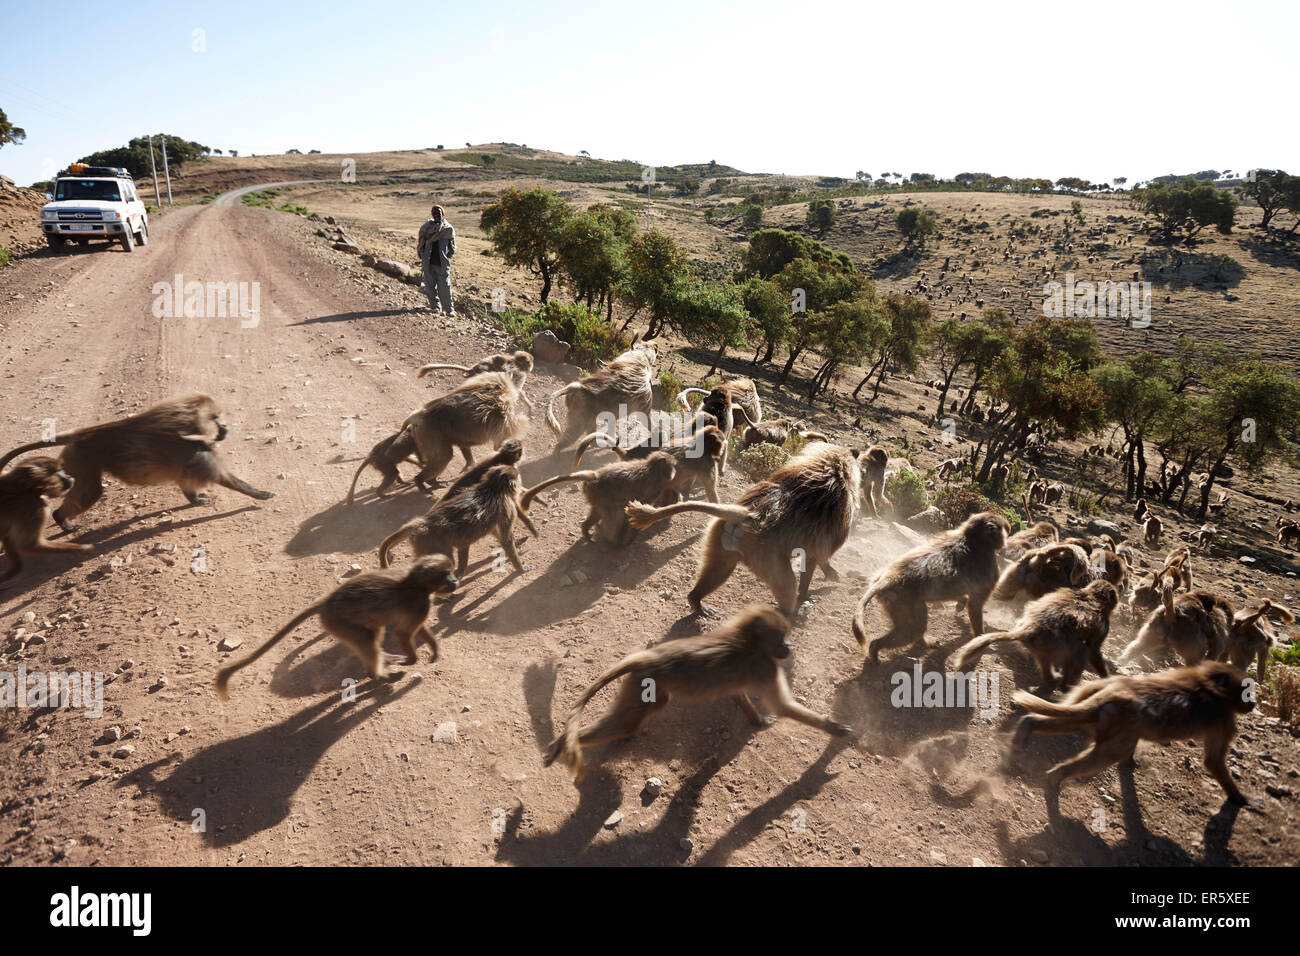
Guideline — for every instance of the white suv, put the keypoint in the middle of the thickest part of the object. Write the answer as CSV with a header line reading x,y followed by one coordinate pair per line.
x,y
95,202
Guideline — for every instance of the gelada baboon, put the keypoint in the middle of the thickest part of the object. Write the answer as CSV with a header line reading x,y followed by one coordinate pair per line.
x,y
739,397
1036,536
511,452
170,442
1198,702
384,458
623,387
1151,529
734,660
696,458
873,463
358,611
1251,635
1288,535
1063,630
609,489
776,431
1042,571
483,410
24,512
801,514
955,564
459,521
1193,624
500,362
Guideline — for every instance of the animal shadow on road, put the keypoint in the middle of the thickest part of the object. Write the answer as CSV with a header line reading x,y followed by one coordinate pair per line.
x,y
359,528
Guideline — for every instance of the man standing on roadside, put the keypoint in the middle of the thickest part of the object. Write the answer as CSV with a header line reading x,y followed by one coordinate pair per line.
x,y
437,244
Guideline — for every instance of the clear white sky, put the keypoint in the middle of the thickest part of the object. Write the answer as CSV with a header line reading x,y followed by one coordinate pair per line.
x,y
1095,90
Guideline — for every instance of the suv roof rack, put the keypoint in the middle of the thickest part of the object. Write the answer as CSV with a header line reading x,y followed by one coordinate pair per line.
x,y
81,169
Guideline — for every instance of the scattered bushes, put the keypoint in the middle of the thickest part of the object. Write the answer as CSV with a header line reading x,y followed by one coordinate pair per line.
x,y
591,338
958,504
761,460
672,386
906,489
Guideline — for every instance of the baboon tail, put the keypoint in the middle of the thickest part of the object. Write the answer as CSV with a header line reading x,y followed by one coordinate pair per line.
x,y
1167,599
426,369
971,651
24,449
744,413
588,440
223,675
643,516
527,497
394,539
227,480
1280,611
808,436
1078,716
566,747
860,615
550,407
353,488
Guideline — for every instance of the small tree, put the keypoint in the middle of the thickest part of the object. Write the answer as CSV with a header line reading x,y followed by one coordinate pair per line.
x,y
818,286
1188,206
1270,191
908,321
771,250
956,344
592,254
916,224
769,308
711,314
655,264
820,216
752,217
526,229
9,133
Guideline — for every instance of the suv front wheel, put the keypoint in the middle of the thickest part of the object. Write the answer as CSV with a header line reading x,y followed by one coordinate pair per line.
x,y
128,238
142,234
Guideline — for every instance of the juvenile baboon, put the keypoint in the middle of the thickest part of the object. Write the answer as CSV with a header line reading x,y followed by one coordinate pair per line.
x,y
1064,630
697,458
486,409
1042,571
1151,529
802,513
1177,568
955,564
457,522
384,458
1038,491
1038,535
622,387
1193,624
500,362
24,512
171,442
1198,702
608,491
359,610
1251,635
734,660
872,463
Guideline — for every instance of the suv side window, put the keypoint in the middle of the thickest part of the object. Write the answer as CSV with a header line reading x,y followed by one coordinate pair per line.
x,y
129,192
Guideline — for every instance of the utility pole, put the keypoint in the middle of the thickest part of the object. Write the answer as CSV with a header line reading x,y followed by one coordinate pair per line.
x,y
154,169
166,174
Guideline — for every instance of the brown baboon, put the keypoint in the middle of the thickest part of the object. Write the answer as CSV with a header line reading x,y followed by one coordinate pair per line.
x,y
1177,568
1063,630
608,491
739,396
511,452
486,409
24,512
1288,535
384,458
734,660
697,458
872,463
801,514
1204,536
664,430
1140,512
1038,491
1039,535
501,362
171,442
1251,635
1042,571
456,523
359,610
777,431
1193,624
1151,529
1053,493
621,388
1198,702
952,467
955,564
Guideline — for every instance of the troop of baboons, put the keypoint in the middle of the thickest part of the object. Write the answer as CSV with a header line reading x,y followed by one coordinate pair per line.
x,y
783,528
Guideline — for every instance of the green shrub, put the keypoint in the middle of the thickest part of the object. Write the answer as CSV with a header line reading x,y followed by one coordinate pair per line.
x,y
906,489
590,337
761,460
5,256
958,504
752,217
671,384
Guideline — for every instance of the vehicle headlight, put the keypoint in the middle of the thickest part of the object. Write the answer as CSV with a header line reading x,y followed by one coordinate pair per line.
x,y
112,215
49,214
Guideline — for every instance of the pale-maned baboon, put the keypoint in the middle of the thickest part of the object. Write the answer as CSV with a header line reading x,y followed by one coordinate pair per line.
x,y
1042,571
777,431
483,410
955,564
1193,624
1250,634
1198,702
24,511
358,611
1036,536
740,396
608,491
171,442
1064,630
500,362
801,514
1151,529
384,458
734,660
697,457
457,522
623,387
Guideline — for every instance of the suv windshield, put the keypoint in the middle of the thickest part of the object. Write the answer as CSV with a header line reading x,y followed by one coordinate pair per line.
x,y
105,189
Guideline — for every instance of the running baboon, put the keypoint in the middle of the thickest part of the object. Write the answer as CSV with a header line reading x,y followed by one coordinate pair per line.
x,y
1204,536
802,513
1140,512
1036,536
734,660
697,458
171,442
952,467
1251,635
608,491
955,564
1063,630
359,610
456,523
1053,493
500,362
1042,571
1198,702
1151,529
739,396
511,452
1288,535
622,387
777,431
1195,627
873,463
486,409
384,458
24,512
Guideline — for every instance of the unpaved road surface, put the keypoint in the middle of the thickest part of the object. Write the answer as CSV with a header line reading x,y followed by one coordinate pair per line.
x,y
443,766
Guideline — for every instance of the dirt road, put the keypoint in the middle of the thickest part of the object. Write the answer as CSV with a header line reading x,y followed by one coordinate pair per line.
x,y
443,766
